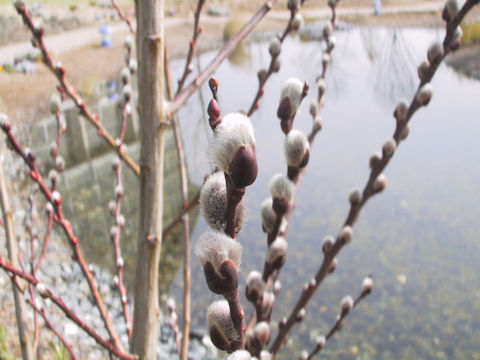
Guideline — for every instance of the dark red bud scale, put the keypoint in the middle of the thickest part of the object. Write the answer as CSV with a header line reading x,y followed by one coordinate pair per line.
x,y
224,284
284,109
213,109
280,206
243,169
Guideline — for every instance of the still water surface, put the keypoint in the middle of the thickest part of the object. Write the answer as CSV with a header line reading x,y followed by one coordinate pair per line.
x,y
419,240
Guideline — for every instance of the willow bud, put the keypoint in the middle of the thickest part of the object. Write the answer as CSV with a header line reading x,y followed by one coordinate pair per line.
x,y
261,332
346,305
275,47
355,197
220,257
435,52
424,95
232,149
281,187
450,10
380,183
327,244
346,234
297,22
389,148
240,355
321,341
255,286
367,285
375,160
400,112
277,252
213,202
220,325
423,69
296,149
291,96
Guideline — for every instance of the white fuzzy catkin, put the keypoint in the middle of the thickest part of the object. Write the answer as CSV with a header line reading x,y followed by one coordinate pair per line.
x,y
297,22
275,47
215,247
234,131
213,202
268,215
218,315
296,146
367,284
255,282
347,303
292,89
262,332
321,341
282,187
451,9
240,355
265,355
425,94
276,250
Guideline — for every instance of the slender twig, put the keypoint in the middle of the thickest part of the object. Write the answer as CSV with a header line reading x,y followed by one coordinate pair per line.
x,y
33,239
7,215
48,323
66,89
183,95
66,310
182,169
369,190
263,76
197,29
122,16
194,201
54,198
339,322
115,236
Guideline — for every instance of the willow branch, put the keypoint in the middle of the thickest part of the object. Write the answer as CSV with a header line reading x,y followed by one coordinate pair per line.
x,y
55,200
197,29
122,16
183,95
66,310
339,322
7,215
182,169
65,88
369,190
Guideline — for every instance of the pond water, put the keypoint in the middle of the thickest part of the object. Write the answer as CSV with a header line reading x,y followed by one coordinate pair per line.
x,y
419,239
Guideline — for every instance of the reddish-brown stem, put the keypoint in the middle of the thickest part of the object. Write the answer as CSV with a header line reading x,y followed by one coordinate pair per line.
x,y
122,16
368,190
45,242
183,95
69,91
67,311
49,325
234,196
236,313
59,218
191,48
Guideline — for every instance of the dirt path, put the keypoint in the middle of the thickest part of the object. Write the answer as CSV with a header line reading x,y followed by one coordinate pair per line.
x,y
69,40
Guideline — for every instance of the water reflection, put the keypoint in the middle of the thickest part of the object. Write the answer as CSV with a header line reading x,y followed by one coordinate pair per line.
x,y
419,239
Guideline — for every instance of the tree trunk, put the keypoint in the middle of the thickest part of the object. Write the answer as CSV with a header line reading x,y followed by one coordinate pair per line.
x,y
25,343
150,55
